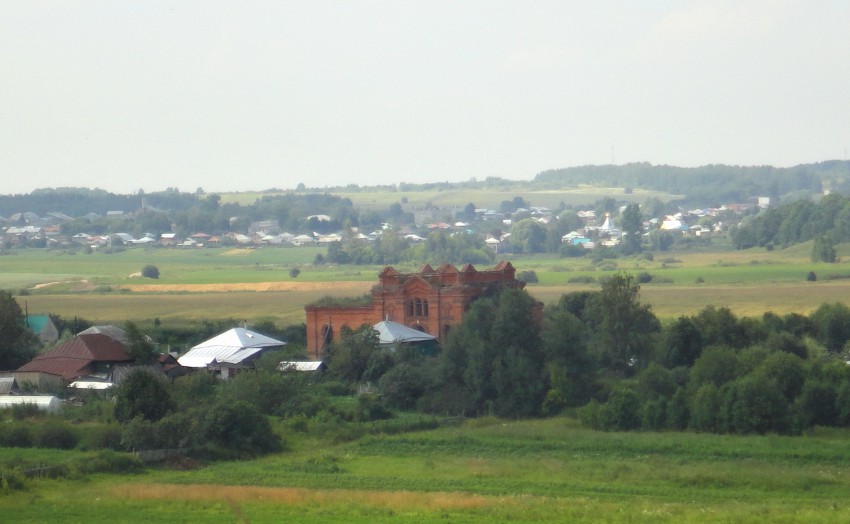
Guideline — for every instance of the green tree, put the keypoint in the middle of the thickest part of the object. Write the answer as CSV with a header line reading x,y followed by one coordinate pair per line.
x,y
349,358
705,409
823,250
623,326
17,343
683,344
756,405
141,394
528,236
150,271
570,366
717,365
495,355
139,345
832,325
631,223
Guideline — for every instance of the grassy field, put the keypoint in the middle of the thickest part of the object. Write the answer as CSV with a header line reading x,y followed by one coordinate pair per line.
x,y
252,284
487,470
489,198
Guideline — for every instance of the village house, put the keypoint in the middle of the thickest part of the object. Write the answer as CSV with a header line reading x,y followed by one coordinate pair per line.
x,y
431,301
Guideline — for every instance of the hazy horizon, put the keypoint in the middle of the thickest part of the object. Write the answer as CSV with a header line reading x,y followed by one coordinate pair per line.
x,y
256,95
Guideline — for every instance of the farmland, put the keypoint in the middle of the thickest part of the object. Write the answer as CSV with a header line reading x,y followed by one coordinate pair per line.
x,y
482,470
250,284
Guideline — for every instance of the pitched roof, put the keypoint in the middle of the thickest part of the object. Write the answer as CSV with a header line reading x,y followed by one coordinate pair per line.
x,y
232,347
73,358
390,332
37,322
111,331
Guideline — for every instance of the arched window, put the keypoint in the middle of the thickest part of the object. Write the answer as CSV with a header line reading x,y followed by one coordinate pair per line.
x,y
425,308
418,303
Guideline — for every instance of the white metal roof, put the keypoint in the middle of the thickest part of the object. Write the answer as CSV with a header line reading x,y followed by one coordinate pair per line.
x,y
300,365
231,347
390,332
91,384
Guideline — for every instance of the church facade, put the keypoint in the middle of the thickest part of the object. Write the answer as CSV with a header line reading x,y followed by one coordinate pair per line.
x,y
431,300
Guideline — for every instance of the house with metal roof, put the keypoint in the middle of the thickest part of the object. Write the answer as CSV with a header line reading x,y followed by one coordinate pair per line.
x,y
90,355
227,353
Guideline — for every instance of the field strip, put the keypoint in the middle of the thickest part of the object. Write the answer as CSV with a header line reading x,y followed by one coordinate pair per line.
x,y
247,286
304,496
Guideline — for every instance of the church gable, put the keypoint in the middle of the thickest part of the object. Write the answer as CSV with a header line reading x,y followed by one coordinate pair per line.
x,y
416,286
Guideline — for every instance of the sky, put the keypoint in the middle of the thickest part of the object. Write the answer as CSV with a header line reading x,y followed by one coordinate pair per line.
x,y
247,95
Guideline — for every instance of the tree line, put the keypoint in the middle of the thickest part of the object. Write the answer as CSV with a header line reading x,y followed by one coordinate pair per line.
x,y
606,355
827,221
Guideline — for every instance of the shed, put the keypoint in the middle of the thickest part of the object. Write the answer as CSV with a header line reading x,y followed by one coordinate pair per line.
x,y
47,403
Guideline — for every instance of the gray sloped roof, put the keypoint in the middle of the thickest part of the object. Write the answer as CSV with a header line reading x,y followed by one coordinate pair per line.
x,y
390,332
113,332
231,347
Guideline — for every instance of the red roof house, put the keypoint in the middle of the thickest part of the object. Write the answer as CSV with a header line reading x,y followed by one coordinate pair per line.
x,y
85,355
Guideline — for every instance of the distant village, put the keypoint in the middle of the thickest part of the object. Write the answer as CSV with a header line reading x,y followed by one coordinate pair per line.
x,y
28,229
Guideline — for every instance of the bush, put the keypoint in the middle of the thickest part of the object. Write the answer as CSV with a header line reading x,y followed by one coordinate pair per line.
x,y
108,461
237,429
811,277
643,278
56,435
18,436
101,437
150,271
10,480
25,411
529,277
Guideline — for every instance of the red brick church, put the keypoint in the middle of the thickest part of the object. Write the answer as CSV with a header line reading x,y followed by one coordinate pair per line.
x,y
431,301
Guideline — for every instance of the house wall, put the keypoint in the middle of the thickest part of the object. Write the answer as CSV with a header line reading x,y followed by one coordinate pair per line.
x,y
43,382
402,298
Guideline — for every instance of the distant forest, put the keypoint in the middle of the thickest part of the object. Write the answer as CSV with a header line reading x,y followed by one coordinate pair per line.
x,y
712,184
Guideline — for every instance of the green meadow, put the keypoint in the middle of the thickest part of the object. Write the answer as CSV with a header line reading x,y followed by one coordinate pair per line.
x,y
485,470
457,197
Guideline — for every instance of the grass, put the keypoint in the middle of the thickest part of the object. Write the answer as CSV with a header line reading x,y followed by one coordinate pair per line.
x,y
483,471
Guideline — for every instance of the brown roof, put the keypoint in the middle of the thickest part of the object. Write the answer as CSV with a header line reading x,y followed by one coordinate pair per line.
x,y
77,356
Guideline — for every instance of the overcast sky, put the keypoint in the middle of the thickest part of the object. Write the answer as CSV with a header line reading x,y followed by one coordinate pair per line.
x,y
242,95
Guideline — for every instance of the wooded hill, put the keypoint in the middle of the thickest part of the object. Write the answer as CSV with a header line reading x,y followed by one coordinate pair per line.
x,y
701,186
